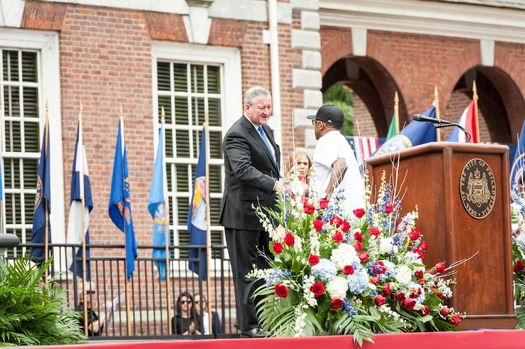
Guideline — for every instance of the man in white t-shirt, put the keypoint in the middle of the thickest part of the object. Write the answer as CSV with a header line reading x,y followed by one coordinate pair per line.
x,y
334,161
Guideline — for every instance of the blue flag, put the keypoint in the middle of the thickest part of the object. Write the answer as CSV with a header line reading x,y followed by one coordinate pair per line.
x,y
415,133
157,197
197,222
518,165
120,202
42,202
77,218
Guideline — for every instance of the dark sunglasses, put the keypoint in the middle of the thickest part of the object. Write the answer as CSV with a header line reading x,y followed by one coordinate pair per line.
x,y
185,302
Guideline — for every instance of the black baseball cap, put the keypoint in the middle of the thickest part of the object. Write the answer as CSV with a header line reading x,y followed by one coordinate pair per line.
x,y
329,114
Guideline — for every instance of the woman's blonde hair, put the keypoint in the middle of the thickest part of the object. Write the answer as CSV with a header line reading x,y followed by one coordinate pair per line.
x,y
292,161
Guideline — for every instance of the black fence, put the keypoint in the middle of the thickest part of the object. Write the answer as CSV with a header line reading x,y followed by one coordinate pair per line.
x,y
147,304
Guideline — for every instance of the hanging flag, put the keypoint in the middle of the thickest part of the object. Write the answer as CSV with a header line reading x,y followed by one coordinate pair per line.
x,y
42,207
415,133
197,220
120,202
76,216
157,197
518,165
469,122
392,130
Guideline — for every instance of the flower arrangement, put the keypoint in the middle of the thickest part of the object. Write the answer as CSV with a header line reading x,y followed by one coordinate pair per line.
x,y
518,253
357,273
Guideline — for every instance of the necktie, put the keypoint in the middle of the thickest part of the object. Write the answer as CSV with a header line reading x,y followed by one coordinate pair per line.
x,y
268,145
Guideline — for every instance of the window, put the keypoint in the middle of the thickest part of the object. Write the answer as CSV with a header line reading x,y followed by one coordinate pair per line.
x,y
188,89
29,81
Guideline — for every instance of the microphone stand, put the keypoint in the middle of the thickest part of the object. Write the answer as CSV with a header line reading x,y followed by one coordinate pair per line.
x,y
467,135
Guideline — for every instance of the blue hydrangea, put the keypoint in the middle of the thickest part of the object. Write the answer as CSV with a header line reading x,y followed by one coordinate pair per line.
x,y
358,281
325,270
349,308
274,277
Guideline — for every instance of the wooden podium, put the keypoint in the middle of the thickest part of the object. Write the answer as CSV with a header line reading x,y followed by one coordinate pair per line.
x,y
462,194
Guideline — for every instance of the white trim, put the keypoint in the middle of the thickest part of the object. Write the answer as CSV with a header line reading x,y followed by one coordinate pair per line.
x,y
49,77
487,52
426,17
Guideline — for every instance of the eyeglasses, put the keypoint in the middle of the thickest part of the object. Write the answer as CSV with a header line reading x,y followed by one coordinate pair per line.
x,y
315,121
185,302
197,302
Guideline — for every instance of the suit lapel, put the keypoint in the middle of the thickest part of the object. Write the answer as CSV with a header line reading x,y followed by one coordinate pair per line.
x,y
253,132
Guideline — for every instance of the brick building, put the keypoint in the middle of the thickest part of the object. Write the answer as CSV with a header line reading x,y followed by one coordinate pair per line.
x,y
198,56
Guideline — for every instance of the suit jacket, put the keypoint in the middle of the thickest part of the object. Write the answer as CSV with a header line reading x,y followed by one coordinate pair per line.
x,y
250,175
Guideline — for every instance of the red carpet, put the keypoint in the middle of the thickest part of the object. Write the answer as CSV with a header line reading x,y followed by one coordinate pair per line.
x,y
500,339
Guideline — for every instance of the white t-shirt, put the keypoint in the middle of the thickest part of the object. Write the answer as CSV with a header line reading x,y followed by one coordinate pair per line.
x,y
329,147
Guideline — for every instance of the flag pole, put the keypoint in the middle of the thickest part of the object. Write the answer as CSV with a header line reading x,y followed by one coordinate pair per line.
x,y
396,111
208,215
166,226
128,320
475,98
83,205
438,116
46,235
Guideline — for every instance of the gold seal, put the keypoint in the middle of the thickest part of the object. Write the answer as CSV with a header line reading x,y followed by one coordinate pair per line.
x,y
477,188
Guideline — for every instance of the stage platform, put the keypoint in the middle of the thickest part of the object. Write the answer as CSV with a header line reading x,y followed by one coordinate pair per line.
x,y
481,339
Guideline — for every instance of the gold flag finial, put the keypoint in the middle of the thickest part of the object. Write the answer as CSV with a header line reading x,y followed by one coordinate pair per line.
x,y
162,114
121,112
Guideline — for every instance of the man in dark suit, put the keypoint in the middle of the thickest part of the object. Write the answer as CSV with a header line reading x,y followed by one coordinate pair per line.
x,y
251,161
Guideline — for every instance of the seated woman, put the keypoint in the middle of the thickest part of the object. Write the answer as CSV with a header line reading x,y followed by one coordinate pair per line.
x,y
186,321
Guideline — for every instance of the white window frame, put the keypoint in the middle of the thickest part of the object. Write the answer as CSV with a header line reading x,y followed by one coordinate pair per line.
x,y
46,42
230,60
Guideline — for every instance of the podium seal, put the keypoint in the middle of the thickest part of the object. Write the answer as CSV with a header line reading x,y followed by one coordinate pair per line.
x,y
477,188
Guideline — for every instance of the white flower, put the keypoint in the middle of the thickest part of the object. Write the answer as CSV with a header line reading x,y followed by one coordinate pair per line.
x,y
403,275
386,246
344,255
337,287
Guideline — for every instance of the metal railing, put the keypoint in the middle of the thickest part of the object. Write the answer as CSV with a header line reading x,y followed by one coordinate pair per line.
x,y
146,315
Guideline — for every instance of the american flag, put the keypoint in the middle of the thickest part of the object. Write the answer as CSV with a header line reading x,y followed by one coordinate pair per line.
x,y
364,147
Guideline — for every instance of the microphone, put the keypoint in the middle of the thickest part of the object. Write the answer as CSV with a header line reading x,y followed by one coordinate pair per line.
x,y
424,118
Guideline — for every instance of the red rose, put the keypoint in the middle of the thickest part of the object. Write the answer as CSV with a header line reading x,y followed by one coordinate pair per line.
x,y
338,237
277,247
419,252
379,300
422,282
336,220
363,256
348,270
281,290
374,280
424,311
414,234
359,212
379,267
387,290
345,226
308,209
289,239
455,319
337,303
317,289
389,208
400,296
423,245
440,295
358,236
419,274
415,293
374,232
444,312
518,267
409,304
313,259
323,203
358,246
440,267
318,225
